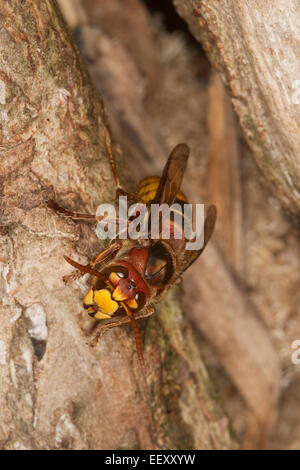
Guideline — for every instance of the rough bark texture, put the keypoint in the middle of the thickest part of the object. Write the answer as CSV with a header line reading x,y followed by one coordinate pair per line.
x,y
55,391
240,340
255,47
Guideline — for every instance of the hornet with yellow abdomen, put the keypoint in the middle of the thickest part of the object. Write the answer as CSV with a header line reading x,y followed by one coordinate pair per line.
x,y
129,276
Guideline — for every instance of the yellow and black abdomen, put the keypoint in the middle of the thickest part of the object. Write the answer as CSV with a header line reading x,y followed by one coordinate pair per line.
x,y
148,186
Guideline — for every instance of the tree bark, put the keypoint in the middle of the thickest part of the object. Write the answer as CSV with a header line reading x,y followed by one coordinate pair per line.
x,y
255,47
56,392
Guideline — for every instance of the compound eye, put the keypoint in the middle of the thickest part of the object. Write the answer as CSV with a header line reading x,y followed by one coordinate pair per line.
x,y
159,265
140,298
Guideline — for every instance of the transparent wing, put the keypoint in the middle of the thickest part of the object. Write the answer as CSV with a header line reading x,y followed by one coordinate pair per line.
x,y
209,225
171,178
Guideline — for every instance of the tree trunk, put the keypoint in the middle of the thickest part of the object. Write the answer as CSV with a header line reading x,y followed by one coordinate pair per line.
x,y
57,392
255,47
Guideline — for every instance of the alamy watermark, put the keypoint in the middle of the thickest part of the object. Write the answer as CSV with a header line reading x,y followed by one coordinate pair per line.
x,y
157,221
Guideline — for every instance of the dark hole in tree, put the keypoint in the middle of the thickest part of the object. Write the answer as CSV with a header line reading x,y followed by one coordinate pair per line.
x,y
172,23
39,347
171,20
